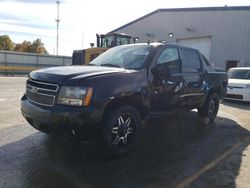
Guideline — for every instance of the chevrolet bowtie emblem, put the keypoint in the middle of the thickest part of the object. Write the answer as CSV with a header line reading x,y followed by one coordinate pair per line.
x,y
34,90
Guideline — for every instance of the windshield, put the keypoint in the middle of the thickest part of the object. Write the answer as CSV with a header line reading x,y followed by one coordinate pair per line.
x,y
128,57
239,74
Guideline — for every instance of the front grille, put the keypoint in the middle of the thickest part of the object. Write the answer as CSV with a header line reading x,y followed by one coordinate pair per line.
x,y
40,99
41,93
233,96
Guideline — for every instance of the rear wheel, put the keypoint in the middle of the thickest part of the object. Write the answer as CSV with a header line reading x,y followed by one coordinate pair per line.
x,y
120,130
208,112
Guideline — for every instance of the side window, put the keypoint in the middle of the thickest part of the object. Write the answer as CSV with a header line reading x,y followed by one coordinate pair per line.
x,y
170,57
208,66
190,60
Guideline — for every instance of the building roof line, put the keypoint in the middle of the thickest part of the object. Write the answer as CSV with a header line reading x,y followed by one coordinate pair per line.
x,y
225,8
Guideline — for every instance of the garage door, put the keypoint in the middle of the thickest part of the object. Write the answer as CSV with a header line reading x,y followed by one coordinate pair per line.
x,y
202,44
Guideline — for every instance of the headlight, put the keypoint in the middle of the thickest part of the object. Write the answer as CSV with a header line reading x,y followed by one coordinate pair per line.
x,y
248,86
75,96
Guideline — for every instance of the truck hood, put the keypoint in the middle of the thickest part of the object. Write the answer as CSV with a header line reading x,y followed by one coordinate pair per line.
x,y
63,74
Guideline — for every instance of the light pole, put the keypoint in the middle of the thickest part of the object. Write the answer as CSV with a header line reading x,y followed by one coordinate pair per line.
x,y
57,27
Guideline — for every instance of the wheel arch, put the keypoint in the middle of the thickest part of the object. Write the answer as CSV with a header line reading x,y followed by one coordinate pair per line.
x,y
215,90
133,100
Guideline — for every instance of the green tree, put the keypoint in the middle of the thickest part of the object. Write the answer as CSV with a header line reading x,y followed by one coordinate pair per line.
x,y
6,43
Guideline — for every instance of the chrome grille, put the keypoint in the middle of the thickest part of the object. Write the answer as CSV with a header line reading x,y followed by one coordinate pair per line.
x,y
41,93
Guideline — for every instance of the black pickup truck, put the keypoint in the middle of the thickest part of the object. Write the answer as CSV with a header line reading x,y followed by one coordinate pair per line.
x,y
108,99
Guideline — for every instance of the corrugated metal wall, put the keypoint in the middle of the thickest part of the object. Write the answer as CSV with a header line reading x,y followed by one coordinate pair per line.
x,y
230,31
17,59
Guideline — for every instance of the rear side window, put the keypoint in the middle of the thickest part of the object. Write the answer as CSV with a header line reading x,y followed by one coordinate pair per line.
x,y
208,66
190,60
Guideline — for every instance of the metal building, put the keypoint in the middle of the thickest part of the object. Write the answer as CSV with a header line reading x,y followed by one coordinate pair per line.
x,y
222,34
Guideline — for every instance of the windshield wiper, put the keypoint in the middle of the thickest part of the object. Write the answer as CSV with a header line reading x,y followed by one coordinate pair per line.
x,y
110,65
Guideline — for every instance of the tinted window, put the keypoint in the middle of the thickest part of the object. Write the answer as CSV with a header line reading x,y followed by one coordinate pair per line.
x,y
190,60
207,64
170,57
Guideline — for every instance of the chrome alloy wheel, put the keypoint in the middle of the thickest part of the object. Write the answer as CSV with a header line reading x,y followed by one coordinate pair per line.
x,y
120,130
212,107
123,129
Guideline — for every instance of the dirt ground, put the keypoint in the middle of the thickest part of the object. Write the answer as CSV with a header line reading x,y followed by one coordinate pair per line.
x,y
172,151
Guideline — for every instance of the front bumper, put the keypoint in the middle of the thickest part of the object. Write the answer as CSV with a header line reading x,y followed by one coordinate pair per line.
x,y
76,122
241,94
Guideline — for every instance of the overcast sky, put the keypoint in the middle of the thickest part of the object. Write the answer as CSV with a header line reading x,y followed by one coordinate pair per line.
x,y
81,20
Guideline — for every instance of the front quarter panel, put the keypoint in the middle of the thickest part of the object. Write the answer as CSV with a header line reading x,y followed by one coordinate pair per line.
x,y
113,86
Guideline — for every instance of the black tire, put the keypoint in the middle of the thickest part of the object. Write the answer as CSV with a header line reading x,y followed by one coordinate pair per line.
x,y
120,130
208,112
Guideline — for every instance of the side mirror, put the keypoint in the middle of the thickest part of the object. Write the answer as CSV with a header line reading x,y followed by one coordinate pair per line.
x,y
154,70
160,69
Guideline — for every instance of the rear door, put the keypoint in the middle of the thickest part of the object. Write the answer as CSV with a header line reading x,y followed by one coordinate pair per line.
x,y
203,44
192,76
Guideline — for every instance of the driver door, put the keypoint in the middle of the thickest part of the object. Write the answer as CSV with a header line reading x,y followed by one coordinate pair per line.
x,y
167,81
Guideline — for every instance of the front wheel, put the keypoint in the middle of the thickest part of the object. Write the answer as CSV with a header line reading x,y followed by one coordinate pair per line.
x,y
120,130
208,112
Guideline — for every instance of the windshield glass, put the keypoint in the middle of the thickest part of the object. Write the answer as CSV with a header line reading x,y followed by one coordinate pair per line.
x,y
239,74
128,57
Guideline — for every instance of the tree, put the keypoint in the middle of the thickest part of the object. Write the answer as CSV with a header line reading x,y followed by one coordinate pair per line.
x,y
23,47
35,47
6,43
38,47
26,46
41,50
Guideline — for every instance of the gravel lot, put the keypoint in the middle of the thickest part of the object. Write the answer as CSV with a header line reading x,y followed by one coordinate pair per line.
x,y
172,151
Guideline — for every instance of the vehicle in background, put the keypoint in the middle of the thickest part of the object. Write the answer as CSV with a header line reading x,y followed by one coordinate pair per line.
x,y
103,43
108,99
239,84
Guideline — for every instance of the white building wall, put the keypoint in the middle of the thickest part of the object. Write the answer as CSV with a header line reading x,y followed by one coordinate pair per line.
x,y
229,31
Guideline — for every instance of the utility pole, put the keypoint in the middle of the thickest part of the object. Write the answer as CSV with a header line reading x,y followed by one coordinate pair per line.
x,y
57,27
